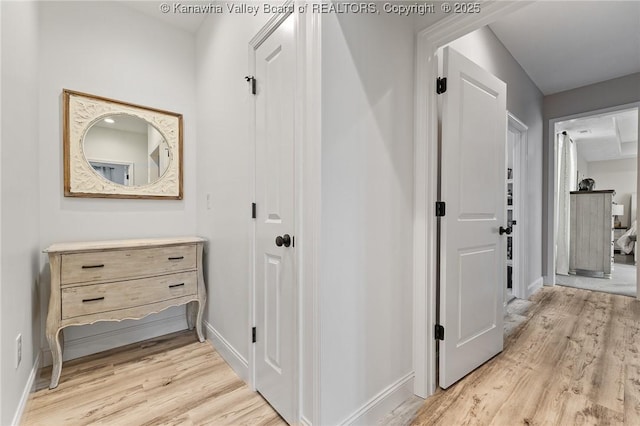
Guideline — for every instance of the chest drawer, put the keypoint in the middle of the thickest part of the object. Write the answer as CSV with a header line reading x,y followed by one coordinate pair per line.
x,y
119,264
96,298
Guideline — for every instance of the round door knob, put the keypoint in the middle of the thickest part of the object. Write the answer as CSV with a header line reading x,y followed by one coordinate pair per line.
x,y
284,240
505,230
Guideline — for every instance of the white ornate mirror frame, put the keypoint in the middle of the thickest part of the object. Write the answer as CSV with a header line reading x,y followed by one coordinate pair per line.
x,y
81,111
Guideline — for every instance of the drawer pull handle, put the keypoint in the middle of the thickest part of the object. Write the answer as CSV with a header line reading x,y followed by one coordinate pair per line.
x,y
92,266
176,258
95,299
176,285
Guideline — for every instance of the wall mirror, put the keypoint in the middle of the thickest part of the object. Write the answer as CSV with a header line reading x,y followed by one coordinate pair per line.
x,y
120,150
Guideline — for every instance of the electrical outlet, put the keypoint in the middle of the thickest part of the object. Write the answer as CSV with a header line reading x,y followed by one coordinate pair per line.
x,y
18,350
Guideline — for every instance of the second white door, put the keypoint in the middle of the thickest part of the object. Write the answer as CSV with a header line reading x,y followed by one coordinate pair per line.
x,y
473,247
275,221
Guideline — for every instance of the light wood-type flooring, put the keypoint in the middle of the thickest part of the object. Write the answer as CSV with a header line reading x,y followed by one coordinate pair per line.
x,y
574,361
170,380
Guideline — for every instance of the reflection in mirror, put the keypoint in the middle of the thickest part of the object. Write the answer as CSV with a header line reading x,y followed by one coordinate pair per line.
x,y
126,150
121,174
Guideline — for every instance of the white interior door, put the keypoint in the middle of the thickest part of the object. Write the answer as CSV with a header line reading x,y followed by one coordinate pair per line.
x,y
516,134
274,262
473,253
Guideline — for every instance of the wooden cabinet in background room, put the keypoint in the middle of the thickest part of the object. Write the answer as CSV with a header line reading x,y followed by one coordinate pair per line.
x,y
591,233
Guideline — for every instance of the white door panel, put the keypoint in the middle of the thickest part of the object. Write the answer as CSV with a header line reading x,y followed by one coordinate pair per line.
x,y
272,299
472,273
475,262
274,264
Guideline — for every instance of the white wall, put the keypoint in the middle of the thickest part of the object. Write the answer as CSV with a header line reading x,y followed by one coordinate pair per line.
x,y
108,49
225,172
524,100
582,167
619,175
2,345
367,208
606,94
20,201
155,140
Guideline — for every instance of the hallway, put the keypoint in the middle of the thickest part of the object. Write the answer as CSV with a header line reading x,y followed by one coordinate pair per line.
x,y
575,360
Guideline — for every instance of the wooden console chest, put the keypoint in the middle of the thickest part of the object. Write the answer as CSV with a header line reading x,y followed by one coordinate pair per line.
x,y
118,280
591,233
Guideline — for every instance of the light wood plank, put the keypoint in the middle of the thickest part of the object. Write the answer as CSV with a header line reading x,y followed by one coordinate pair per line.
x,y
575,360
632,364
170,380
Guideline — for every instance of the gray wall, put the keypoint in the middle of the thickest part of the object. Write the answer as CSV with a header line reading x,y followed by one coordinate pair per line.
x,y
582,167
367,209
606,94
367,196
121,54
111,50
524,100
619,175
20,201
225,170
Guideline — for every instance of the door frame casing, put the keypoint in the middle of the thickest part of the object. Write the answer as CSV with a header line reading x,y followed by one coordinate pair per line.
x,y
426,180
307,194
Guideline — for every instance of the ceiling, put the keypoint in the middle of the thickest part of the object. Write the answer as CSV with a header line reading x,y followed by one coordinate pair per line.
x,y
125,123
563,45
610,136
189,22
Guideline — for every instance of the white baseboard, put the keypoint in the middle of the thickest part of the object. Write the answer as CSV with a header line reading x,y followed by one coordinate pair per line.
x,y
383,403
535,286
238,363
28,388
305,422
112,339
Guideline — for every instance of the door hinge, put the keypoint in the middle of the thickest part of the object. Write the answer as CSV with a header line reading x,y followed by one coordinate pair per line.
x,y
253,335
253,210
440,208
252,80
439,332
441,85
